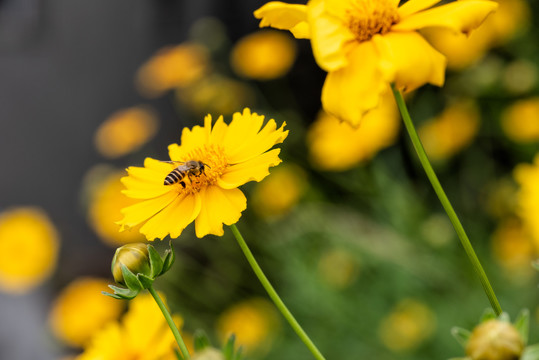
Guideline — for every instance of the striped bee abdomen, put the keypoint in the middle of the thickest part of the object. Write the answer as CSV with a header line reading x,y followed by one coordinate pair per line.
x,y
173,177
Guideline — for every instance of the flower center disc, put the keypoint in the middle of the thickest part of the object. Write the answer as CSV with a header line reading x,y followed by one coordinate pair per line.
x,y
367,18
215,164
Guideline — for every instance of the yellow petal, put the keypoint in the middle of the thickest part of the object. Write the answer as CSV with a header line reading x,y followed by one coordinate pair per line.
x,y
191,139
413,6
253,170
350,92
146,182
139,212
414,61
219,131
219,206
284,16
459,16
330,37
173,218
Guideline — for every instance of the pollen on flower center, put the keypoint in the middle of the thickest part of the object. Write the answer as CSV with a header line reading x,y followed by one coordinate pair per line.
x,y
215,163
367,18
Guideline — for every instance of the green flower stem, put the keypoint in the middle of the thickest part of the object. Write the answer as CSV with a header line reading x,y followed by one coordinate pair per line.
x,y
274,296
445,202
170,322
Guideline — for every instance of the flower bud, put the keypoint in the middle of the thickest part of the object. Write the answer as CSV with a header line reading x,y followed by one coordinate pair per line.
x,y
495,340
134,256
208,354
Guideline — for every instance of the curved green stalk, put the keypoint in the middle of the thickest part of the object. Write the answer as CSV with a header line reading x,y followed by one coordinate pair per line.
x,y
445,202
170,322
274,296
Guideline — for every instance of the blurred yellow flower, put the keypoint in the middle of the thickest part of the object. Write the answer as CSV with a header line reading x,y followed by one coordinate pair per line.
x,y
142,333
125,131
520,121
278,193
223,156
172,67
464,50
407,326
255,323
338,268
29,246
106,203
527,176
513,247
263,55
215,94
451,131
81,309
336,146
366,44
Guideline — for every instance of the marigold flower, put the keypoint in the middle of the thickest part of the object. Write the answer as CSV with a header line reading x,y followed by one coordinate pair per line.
x,y
451,131
141,334
366,44
263,55
231,155
82,296
29,246
336,146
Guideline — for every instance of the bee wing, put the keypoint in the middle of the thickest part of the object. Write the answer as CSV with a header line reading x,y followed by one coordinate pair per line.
x,y
172,162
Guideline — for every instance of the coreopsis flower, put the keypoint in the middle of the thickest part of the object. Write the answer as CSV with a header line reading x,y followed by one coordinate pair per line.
x,y
520,121
263,55
221,157
82,296
495,340
527,177
142,333
364,45
30,244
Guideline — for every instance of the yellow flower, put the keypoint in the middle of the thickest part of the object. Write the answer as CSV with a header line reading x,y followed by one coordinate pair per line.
x,y
263,55
338,268
29,246
106,203
407,326
527,176
172,67
366,44
462,50
520,121
336,146
253,321
125,131
226,157
141,334
513,247
83,296
451,131
278,194
215,94
495,340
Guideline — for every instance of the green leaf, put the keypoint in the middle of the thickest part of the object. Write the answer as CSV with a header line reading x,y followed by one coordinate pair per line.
x,y
531,353
201,340
504,317
488,314
146,281
156,263
169,258
238,355
522,324
130,279
123,291
461,335
228,349
112,295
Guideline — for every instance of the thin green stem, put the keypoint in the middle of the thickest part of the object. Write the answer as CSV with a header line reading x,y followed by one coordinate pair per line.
x,y
445,202
170,322
274,296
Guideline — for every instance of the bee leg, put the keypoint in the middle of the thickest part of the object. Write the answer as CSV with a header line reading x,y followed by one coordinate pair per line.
x,y
182,183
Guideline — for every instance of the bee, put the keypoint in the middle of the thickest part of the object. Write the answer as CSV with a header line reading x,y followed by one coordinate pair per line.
x,y
186,169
